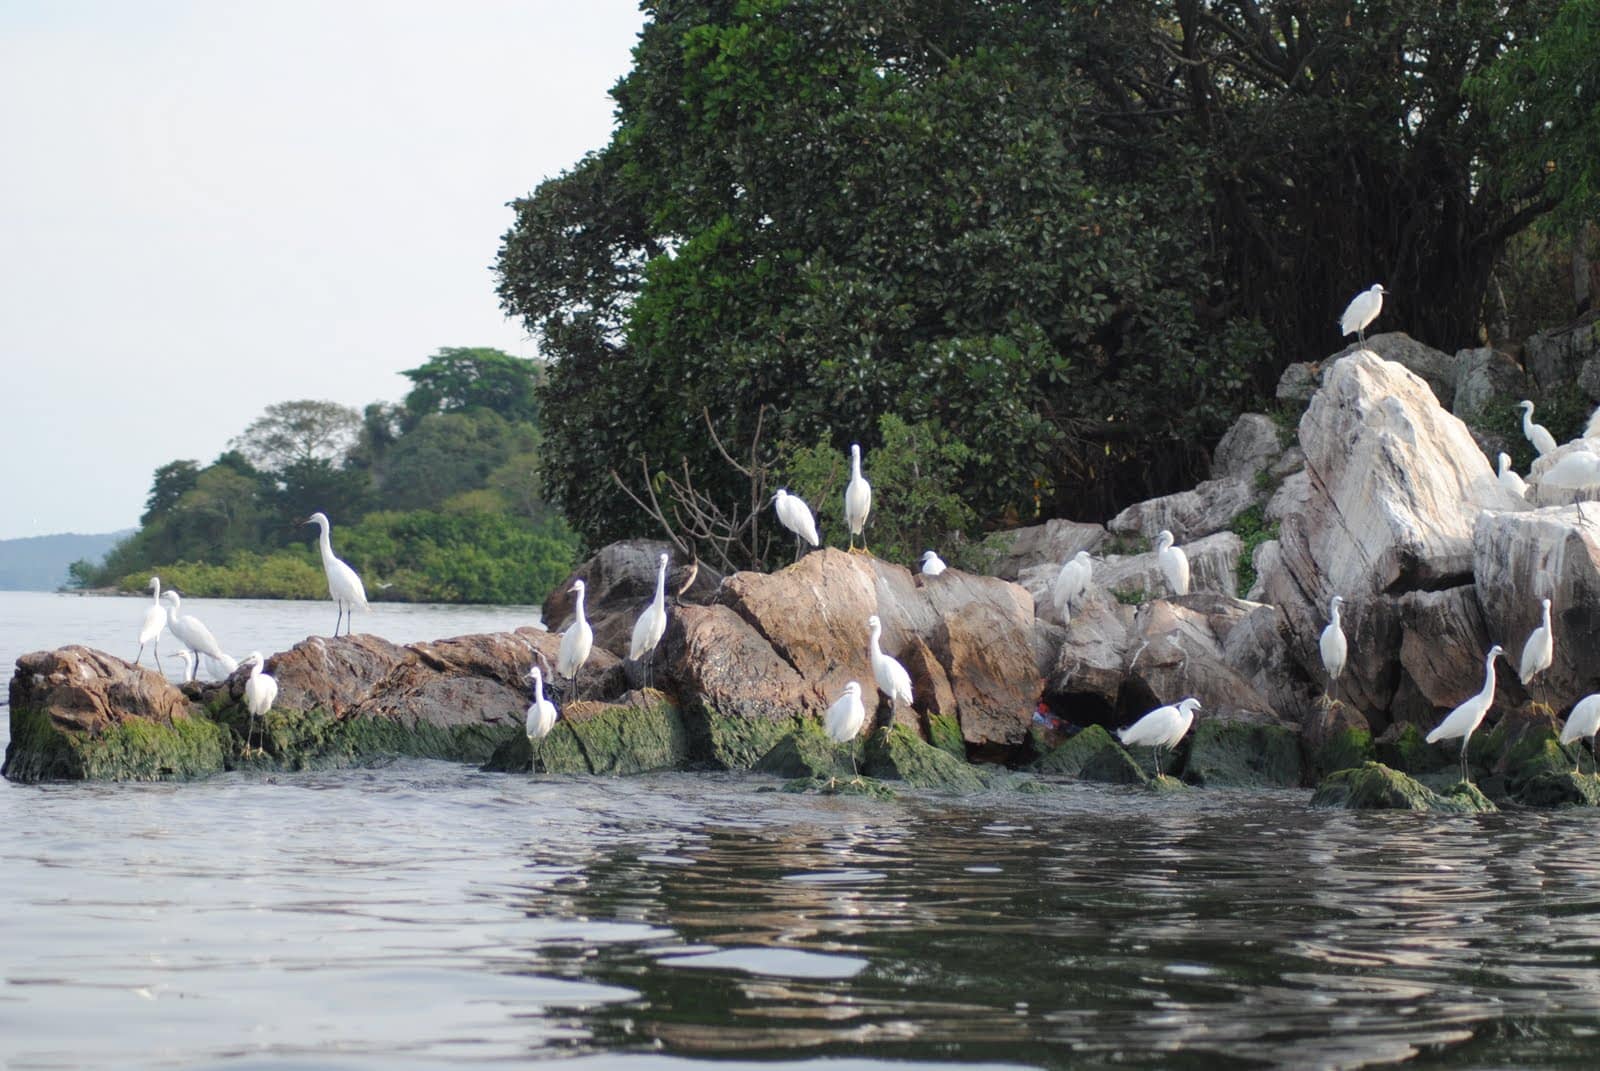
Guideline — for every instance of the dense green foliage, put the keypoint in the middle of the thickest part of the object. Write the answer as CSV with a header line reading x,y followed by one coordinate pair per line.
x,y
1077,237
435,500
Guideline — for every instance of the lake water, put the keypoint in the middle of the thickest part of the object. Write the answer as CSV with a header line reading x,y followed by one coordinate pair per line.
x,y
423,914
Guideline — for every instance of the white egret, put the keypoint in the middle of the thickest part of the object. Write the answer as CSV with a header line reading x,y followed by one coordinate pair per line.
x,y
1174,563
1509,478
260,692
795,515
1335,648
1583,722
541,712
155,619
653,622
891,677
1578,472
845,717
932,564
1162,727
857,499
225,663
1539,650
344,584
193,634
1072,582
188,660
576,642
1537,434
1469,715
1361,311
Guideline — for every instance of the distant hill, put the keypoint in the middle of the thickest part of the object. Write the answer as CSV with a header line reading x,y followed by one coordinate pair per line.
x,y
39,563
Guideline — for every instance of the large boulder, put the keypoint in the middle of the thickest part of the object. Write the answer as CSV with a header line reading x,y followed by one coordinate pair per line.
x,y
1438,369
1395,485
1048,544
1482,375
1209,507
1560,355
619,581
1251,445
1213,566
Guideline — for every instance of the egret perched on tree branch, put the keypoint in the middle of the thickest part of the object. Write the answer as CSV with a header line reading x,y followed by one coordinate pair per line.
x,y
155,619
1538,652
1072,582
1335,648
891,677
1162,727
653,621
932,564
845,717
1583,722
1469,715
795,515
344,586
1537,434
1361,311
576,642
1174,563
857,499
1509,478
260,692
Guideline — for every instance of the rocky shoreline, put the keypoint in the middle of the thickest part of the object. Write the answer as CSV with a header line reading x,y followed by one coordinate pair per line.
x,y
1381,495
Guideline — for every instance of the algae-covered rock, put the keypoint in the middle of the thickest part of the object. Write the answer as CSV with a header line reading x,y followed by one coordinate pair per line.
x,y
645,732
807,751
1374,786
1072,756
1564,789
1113,766
1243,755
1342,749
841,786
898,755
1402,747
944,733
1166,783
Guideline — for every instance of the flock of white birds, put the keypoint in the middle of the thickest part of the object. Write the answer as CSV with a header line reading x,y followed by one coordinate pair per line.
x,y
1161,728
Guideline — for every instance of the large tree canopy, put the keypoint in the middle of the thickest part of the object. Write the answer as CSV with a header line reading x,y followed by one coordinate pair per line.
x,y
1077,236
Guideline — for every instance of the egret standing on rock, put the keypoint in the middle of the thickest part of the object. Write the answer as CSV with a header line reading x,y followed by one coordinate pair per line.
x,y
1335,649
1577,471
932,564
1361,311
795,515
1509,478
576,642
260,692
1538,652
857,499
1537,434
1583,722
1072,582
541,712
1174,563
155,619
1162,727
193,634
344,585
1469,715
653,622
891,677
845,717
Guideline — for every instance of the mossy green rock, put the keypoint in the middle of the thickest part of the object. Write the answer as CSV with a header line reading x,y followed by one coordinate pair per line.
x,y
899,755
944,733
731,742
316,740
1243,755
1403,747
1344,750
807,751
135,749
1563,789
1166,783
1072,756
841,786
617,739
1114,766
1374,786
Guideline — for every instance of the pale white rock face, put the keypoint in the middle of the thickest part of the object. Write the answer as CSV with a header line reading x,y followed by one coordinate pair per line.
x,y
1050,543
1521,558
1209,507
1249,446
1213,566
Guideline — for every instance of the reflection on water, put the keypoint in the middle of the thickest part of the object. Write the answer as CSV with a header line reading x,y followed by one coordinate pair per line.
x,y
425,913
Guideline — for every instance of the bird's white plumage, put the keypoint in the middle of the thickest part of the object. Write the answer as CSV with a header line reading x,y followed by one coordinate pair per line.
x,y
932,564
344,584
1539,650
191,631
1362,310
1537,434
155,619
846,716
187,658
541,712
1335,648
261,690
795,515
577,641
1071,582
1461,721
224,664
1583,721
652,622
1576,471
1174,563
891,677
857,495
1509,478
1162,727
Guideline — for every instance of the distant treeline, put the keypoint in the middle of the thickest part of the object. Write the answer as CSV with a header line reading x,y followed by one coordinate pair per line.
x,y
435,499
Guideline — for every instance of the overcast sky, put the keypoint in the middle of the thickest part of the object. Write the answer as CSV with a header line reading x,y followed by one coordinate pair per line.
x,y
210,206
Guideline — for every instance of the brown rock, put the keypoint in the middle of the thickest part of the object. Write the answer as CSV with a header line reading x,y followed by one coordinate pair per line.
x,y
85,690
332,674
714,656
